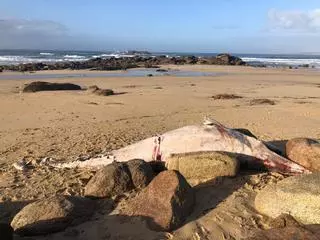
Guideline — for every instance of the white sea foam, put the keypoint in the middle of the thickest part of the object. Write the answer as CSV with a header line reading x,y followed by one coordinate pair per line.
x,y
20,59
105,55
283,61
74,56
101,56
47,54
115,55
7,60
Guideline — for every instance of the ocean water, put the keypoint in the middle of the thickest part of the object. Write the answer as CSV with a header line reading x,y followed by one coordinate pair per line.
x,y
282,60
127,73
8,57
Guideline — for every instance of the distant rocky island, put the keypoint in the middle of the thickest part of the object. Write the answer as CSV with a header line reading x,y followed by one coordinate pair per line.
x,y
123,63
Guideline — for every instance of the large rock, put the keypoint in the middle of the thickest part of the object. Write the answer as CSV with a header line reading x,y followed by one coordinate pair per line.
x,y
52,215
223,59
199,167
46,86
227,59
305,152
141,172
101,92
6,231
166,202
114,179
298,196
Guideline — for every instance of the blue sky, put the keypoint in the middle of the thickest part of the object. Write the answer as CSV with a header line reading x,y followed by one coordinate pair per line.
x,y
247,26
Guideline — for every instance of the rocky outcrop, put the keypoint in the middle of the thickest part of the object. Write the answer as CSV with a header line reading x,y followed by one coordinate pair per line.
x,y
46,86
135,52
222,59
166,202
199,167
109,181
227,59
305,152
52,215
127,63
299,196
141,172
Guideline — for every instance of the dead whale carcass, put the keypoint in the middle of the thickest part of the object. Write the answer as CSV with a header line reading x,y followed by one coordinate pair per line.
x,y
211,136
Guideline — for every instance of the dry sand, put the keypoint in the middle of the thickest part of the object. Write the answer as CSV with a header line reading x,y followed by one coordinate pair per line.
x,y
66,124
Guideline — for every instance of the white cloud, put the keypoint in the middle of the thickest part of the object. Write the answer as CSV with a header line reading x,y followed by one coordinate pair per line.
x,y
295,20
21,27
26,33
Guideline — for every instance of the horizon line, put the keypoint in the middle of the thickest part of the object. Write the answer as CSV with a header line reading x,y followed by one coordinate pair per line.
x,y
183,52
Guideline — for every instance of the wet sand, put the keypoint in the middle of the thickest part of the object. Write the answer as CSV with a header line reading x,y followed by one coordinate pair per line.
x,y
66,124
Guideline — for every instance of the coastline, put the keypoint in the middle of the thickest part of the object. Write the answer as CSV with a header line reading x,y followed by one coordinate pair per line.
x,y
187,67
254,59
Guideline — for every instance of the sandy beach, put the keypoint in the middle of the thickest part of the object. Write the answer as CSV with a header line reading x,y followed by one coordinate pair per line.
x,y
64,125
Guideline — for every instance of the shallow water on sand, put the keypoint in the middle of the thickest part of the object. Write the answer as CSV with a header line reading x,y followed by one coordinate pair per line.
x,y
128,73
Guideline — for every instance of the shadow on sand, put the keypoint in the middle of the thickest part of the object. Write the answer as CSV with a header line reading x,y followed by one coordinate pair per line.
x,y
210,194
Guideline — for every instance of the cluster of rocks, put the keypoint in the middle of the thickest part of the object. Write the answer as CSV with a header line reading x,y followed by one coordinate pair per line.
x,y
296,196
168,193
165,196
126,63
39,86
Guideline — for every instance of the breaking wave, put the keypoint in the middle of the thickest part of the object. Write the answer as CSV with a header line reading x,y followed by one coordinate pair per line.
x,y
46,54
74,56
283,61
